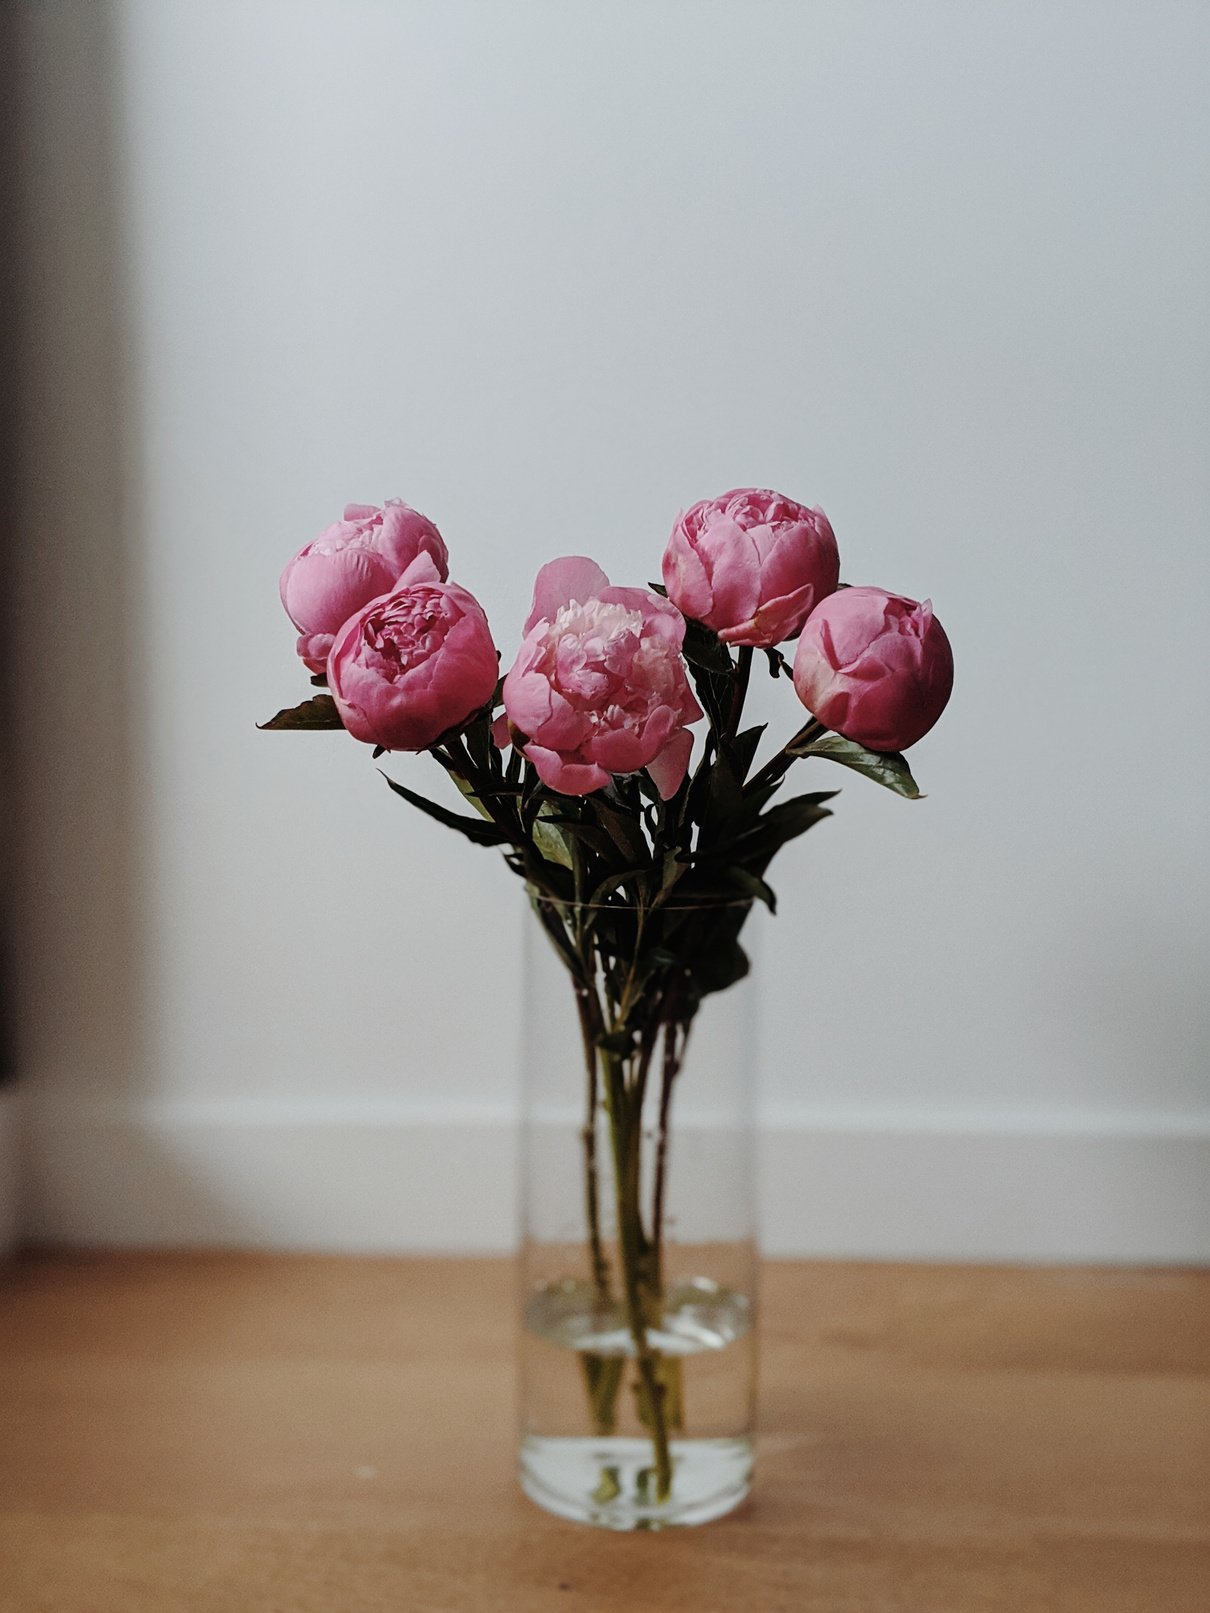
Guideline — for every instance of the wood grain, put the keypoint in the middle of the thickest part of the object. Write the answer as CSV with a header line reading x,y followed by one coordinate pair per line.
x,y
245,1434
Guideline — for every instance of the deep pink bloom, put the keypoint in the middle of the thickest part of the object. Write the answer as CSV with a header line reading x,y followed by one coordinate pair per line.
x,y
598,686
751,565
351,562
875,667
414,663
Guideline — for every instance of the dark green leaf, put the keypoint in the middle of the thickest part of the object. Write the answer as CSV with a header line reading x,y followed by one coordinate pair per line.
x,y
779,824
722,796
621,827
482,834
765,837
887,768
615,882
619,1041
702,648
720,966
480,746
743,879
576,829
318,712
674,868
472,794
742,750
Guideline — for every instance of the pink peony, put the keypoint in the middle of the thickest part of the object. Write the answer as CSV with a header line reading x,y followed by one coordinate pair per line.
x,y
598,686
751,565
875,667
414,663
349,563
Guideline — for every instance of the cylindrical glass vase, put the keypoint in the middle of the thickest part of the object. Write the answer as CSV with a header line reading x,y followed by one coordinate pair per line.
x,y
638,1266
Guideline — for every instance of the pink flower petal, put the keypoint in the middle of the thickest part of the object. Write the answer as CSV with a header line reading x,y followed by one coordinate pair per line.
x,y
669,768
559,582
569,778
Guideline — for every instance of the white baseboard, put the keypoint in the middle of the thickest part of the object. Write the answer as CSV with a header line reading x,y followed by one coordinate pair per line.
x,y
10,1217
393,1177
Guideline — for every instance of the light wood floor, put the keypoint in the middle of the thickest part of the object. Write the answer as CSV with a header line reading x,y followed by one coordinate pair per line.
x,y
239,1434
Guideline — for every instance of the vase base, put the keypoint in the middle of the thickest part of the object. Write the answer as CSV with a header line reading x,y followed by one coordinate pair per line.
x,y
609,1482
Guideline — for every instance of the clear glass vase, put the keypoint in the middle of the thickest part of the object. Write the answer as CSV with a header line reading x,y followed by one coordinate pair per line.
x,y
638,1266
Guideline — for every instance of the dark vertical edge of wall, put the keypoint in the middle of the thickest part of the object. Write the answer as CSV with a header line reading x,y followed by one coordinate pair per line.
x,y
10,306
72,591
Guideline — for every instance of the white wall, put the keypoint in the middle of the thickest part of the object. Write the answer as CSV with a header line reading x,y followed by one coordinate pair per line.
x,y
551,271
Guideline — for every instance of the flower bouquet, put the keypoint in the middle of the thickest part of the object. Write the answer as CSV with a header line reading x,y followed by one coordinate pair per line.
x,y
642,857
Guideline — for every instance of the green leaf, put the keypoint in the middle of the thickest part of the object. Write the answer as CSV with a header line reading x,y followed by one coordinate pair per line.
x,y
751,884
612,883
318,712
785,821
721,966
481,834
621,827
576,829
552,842
887,768
702,648
480,747
742,750
721,796
674,869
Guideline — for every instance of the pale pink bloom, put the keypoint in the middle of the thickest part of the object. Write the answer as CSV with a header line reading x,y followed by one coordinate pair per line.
x,y
351,562
751,565
599,686
414,663
875,667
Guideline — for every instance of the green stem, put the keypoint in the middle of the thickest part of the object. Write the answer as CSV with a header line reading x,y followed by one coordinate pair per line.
x,y
739,692
779,764
625,1134
592,1190
673,1054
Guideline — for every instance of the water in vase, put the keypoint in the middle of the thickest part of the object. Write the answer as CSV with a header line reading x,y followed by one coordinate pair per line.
x,y
579,1353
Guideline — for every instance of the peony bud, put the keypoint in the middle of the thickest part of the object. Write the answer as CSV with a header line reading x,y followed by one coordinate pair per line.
x,y
875,667
351,562
413,664
751,565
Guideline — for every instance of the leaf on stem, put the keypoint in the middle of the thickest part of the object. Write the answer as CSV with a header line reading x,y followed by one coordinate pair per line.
x,y
318,712
705,649
743,750
480,747
612,883
476,831
751,884
887,768
621,826
721,966
785,821
552,842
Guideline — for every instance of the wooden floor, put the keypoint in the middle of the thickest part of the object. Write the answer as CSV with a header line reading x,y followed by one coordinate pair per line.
x,y
244,1434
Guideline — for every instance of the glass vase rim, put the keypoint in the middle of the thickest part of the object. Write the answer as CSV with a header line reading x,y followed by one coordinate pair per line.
x,y
701,904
